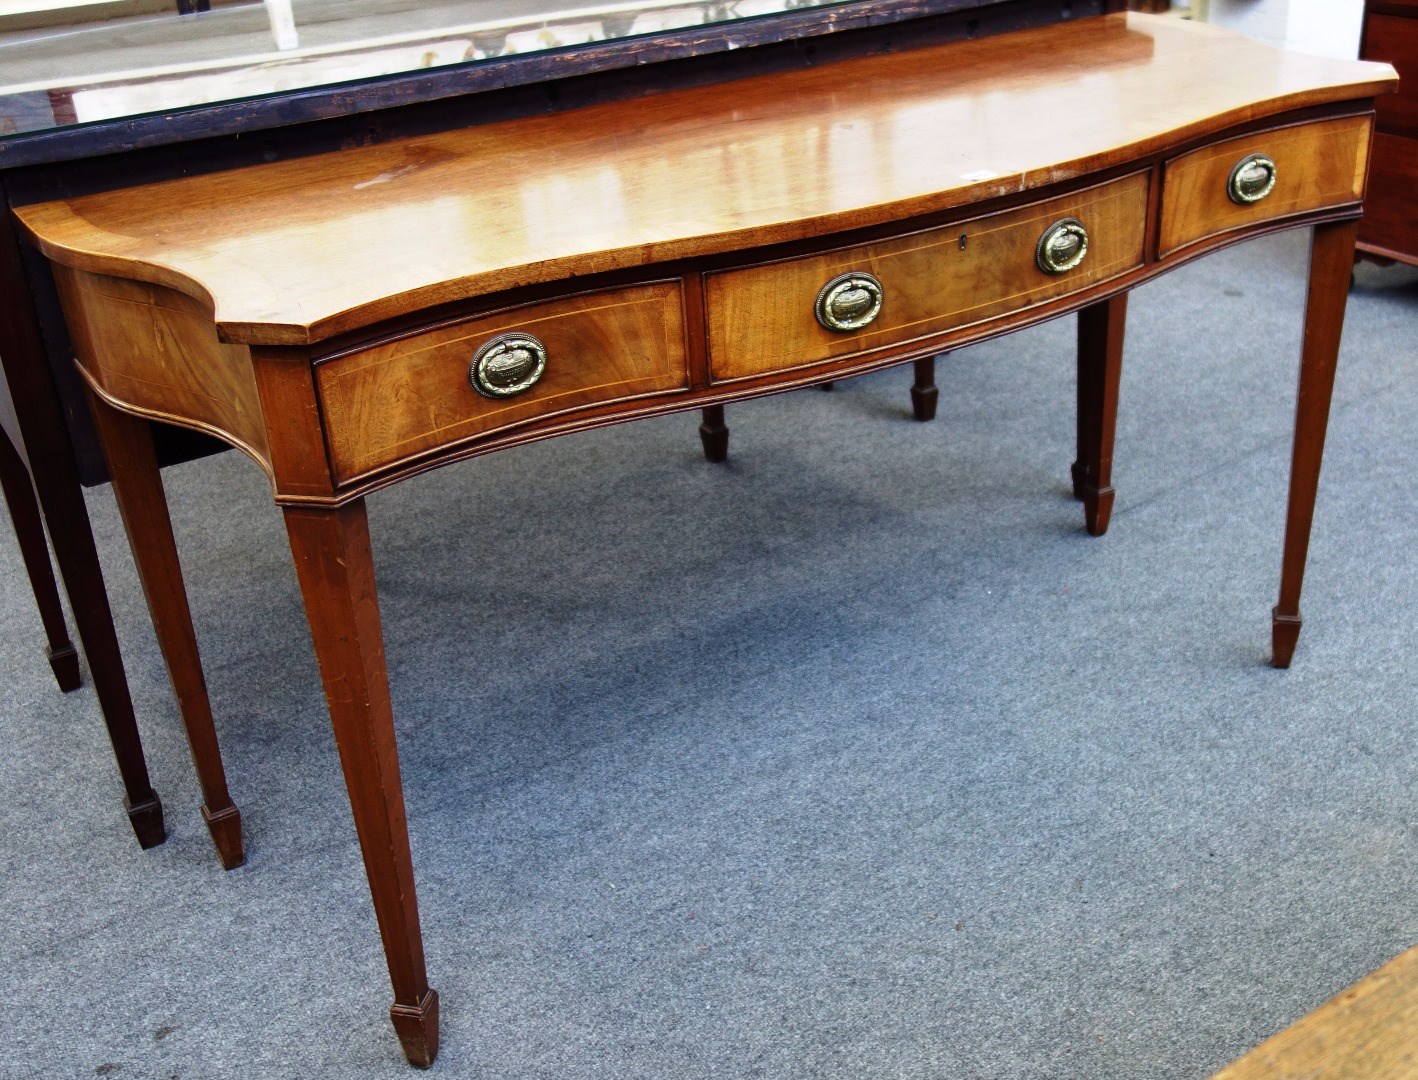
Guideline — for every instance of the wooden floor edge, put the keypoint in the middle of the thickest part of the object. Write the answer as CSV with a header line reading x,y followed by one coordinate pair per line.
x,y
1367,1032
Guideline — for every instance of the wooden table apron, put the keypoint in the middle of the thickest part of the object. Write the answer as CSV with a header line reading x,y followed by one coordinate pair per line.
x,y
374,395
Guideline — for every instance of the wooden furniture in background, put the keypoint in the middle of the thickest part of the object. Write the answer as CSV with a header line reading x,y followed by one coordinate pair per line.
x,y
355,318
34,550
1389,230
44,417
714,432
35,436
1368,1032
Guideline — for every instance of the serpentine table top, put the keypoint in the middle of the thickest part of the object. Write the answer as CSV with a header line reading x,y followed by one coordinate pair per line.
x,y
352,318
298,251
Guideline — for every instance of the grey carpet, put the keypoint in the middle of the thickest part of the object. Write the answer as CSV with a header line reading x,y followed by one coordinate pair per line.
x,y
855,757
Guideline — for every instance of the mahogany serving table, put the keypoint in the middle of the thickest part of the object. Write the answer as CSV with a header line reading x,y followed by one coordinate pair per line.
x,y
353,318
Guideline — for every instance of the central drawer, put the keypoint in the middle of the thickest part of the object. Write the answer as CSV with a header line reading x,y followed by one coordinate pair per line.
x,y
434,388
767,318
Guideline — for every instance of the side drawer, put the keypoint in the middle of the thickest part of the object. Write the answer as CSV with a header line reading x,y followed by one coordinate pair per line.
x,y
763,318
413,395
1316,165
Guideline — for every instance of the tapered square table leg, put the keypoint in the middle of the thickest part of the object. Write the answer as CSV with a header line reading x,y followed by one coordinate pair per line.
x,y
137,486
335,566
1331,262
1100,367
29,531
924,393
714,433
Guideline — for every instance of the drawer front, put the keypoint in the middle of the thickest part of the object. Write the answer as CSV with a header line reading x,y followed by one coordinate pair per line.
x,y
399,399
1316,165
1395,40
764,318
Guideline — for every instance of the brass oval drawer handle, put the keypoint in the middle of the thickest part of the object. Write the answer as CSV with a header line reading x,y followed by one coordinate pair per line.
x,y
1062,247
1252,179
849,301
507,365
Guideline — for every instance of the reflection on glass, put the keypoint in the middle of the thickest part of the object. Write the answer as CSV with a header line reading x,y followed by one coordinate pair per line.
x,y
72,61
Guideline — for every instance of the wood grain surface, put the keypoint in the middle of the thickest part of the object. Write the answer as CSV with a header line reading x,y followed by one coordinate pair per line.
x,y
297,251
1368,1032
1317,165
392,401
761,319
155,351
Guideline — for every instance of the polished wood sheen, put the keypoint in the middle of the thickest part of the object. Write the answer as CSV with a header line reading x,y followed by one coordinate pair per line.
x,y
1367,1032
297,251
1317,165
335,566
153,349
1331,262
391,401
669,251
933,281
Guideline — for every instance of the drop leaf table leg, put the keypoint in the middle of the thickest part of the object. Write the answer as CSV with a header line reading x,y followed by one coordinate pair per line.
x,y
34,549
1100,367
137,486
335,565
66,519
1331,261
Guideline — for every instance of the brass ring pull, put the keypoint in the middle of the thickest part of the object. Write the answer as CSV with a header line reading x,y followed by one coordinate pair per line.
x,y
1252,179
849,301
507,365
1062,247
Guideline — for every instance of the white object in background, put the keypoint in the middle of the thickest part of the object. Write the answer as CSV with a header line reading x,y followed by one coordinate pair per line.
x,y
282,24
31,7
1326,27
1318,27
178,89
